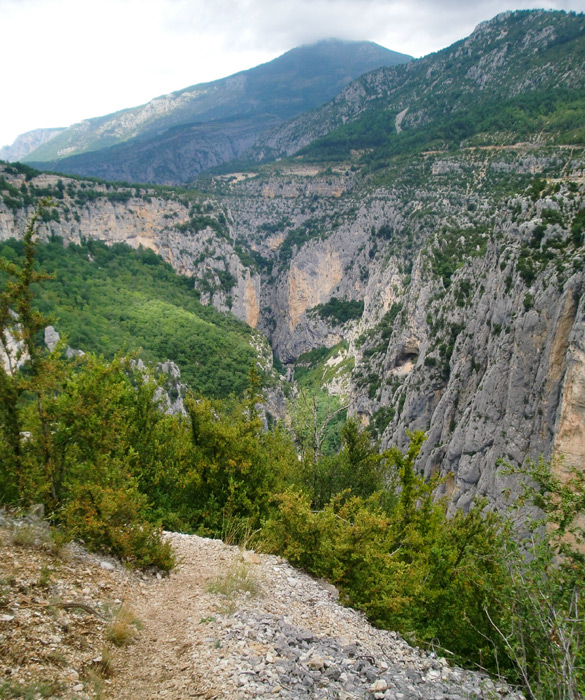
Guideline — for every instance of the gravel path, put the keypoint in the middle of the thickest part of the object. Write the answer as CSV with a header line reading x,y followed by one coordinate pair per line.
x,y
291,639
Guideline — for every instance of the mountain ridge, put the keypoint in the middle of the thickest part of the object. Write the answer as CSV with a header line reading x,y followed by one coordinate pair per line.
x,y
294,82
446,83
28,142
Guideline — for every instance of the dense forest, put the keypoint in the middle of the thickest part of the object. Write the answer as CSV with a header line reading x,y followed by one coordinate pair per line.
x,y
85,437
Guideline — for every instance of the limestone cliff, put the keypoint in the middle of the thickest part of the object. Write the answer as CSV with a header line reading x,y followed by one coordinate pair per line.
x,y
192,235
472,325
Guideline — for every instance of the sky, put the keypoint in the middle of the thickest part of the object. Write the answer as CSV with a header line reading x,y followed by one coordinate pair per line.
x,y
68,60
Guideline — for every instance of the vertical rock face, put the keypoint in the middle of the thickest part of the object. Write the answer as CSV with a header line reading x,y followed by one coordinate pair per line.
x,y
472,328
473,324
501,399
247,306
13,353
486,352
570,429
311,282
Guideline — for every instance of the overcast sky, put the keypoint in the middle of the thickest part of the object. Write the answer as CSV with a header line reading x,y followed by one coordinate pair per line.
x,y
67,60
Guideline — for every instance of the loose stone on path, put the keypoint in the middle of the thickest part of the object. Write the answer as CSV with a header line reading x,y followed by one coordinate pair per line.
x,y
291,640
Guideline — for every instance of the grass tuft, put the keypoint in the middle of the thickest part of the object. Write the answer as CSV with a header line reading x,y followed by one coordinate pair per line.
x,y
124,627
238,579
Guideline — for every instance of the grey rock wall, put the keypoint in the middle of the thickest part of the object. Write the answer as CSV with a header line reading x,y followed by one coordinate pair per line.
x,y
470,276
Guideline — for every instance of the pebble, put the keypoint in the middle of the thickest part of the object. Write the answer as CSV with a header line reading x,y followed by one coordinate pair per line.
x,y
308,666
379,686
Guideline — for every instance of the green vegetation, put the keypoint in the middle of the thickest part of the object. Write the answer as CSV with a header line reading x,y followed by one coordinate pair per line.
x,y
542,626
453,246
425,568
198,222
31,691
468,103
239,578
318,416
340,310
107,299
85,438
252,258
551,111
381,418
543,249
295,238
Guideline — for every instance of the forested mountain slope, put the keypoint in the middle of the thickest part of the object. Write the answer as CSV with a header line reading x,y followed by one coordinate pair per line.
x,y
516,77
108,298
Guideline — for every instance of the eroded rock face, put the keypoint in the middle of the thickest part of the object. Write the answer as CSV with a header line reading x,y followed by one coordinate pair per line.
x,y
472,328
311,282
570,427
483,350
26,143
490,365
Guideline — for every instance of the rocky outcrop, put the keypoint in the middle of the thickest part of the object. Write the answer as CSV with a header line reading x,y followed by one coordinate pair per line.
x,y
13,354
511,55
171,391
52,339
487,359
472,324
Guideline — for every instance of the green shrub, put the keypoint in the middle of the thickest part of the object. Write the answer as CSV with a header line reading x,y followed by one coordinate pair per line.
x,y
541,623
401,560
340,310
110,520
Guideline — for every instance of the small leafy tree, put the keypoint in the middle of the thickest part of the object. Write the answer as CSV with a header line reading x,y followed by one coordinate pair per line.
x,y
66,430
235,465
20,325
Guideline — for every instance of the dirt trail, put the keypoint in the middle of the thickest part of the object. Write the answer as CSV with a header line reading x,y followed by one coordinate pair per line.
x,y
266,630
174,656
283,636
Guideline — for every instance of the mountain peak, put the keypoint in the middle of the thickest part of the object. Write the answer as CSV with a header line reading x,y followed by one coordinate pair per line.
x,y
261,97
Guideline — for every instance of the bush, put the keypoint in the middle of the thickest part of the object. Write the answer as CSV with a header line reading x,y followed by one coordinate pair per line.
x,y
541,623
400,559
339,310
109,520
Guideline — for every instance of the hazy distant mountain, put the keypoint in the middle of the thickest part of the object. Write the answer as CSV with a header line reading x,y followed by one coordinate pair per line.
x,y
26,143
166,139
